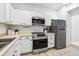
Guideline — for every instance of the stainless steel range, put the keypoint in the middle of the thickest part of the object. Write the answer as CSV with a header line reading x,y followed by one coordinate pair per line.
x,y
40,42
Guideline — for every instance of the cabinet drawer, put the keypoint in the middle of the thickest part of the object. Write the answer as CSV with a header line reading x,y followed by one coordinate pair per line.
x,y
50,39
50,45
51,36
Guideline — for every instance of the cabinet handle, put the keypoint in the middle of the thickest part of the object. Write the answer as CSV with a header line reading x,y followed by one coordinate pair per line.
x,y
51,43
13,55
15,50
51,38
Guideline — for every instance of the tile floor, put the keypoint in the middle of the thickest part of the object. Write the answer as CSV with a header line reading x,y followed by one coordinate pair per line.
x,y
69,51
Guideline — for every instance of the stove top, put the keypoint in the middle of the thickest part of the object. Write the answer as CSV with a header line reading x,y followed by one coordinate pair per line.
x,y
38,34
40,37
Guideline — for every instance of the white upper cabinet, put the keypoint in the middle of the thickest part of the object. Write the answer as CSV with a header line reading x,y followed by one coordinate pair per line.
x,y
2,12
8,14
11,13
29,20
22,17
47,20
17,17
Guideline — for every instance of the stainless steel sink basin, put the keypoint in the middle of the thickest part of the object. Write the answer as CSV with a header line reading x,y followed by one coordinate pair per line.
x,y
4,42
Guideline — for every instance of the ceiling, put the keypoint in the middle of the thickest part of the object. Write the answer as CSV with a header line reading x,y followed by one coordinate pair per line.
x,y
48,5
54,6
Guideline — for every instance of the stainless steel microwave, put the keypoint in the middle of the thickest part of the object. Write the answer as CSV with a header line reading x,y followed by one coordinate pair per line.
x,y
38,21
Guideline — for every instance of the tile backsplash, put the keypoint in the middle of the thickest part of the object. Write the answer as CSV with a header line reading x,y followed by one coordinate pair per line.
x,y
22,29
2,29
28,28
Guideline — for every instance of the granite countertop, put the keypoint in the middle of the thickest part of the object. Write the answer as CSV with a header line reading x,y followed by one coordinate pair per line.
x,y
13,36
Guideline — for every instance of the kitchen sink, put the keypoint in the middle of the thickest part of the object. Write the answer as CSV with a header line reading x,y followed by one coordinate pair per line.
x,y
4,42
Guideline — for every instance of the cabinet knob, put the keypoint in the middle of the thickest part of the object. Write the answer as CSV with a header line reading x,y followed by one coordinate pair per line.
x,y
15,50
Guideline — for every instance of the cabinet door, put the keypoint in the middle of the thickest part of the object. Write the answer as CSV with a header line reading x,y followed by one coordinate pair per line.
x,y
29,19
17,48
14,49
2,12
22,17
17,17
12,14
26,44
10,52
8,9
47,20
26,19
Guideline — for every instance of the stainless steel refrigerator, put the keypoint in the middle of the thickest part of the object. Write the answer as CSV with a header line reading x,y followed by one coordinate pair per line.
x,y
59,28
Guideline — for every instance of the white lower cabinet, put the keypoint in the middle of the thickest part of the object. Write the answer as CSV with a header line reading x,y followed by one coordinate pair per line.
x,y
51,38
17,47
26,43
21,45
10,52
14,50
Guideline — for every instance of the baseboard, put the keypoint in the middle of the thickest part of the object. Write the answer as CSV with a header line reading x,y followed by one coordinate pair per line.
x,y
25,53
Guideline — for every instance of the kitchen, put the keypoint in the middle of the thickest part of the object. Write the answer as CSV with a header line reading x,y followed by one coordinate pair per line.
x,y
27,30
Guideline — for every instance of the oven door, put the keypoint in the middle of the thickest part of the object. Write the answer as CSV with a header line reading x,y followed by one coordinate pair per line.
x,y
40,43
43,43
35,44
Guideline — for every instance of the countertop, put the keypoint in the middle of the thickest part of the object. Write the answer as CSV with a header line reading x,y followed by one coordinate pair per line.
x,y
6,47
13,36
